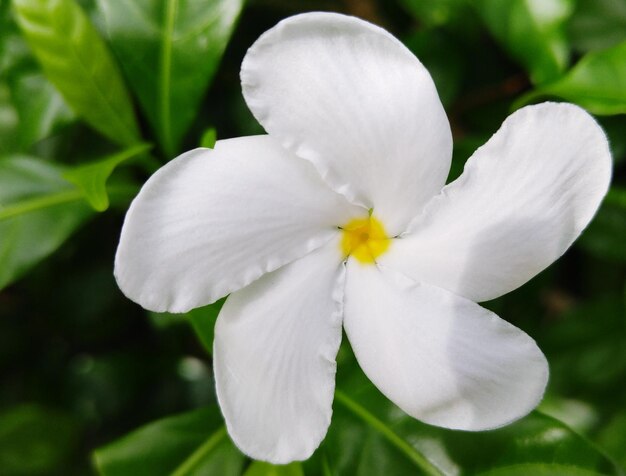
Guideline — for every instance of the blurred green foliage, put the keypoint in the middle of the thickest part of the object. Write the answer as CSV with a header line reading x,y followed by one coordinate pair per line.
x,y
96,94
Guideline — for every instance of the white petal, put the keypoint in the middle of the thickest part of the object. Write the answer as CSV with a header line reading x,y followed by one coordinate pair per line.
x,y
522,200
441,358
353,100
212,221
274,357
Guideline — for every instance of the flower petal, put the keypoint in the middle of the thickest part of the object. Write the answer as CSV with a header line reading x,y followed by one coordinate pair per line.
x,y
212,221
349,97
441,358
274,357
523,199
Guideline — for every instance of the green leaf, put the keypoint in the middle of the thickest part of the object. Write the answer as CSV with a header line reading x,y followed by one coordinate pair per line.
x,y
39,210
40,107
193,443
9,121
35,440
613,438
540,469
369,435
170,51
532,31
260,468
76,60
597,24
597,83
91,178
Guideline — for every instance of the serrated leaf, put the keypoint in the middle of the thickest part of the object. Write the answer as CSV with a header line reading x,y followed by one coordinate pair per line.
x,y
193,443
169,51
532,31
39,210
92,178
76,60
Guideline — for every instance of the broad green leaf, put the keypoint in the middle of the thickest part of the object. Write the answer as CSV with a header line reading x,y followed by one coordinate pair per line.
x,y
39,210
35,440
260,468
597,83
40,107
532,31
76,60
193,443
605,235
169,51
597,24
371,436
91,178
9,121
586,348
613,438
539,469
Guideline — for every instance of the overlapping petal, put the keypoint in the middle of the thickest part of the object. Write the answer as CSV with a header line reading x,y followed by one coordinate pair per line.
x,y
441,358
274,357
212,221
353,100
522,200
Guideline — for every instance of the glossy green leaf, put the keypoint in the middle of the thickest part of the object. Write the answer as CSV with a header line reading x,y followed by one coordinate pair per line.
x,y
587,347
35,440
76,60
597,24
9,121
40,107
613,438
371,436
259,468
92,178
532,31
170,51
39,210
540,469
597,83
193,443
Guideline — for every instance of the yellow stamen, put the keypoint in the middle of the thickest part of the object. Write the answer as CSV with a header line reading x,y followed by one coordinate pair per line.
x,y
364,239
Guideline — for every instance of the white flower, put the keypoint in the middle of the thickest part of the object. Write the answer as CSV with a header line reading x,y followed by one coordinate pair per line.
x,y
282,223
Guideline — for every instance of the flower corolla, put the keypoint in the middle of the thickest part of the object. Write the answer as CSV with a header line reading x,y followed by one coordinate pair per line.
x,y
340,217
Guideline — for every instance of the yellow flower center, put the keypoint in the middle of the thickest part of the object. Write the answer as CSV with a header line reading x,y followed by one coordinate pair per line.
x,y
364,239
